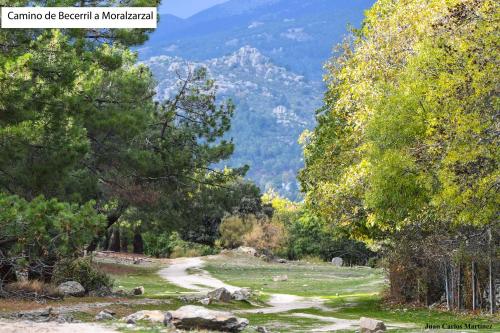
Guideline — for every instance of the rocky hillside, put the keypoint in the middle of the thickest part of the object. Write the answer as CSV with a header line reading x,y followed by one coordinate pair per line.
x,y
267,55
273,107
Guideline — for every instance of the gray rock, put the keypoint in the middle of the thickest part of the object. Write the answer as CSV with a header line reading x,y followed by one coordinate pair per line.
x,y
191,317
282,261
138,291
167,321
131,321
241,294
71,288
262,329
221,294
205,301
154,316
280,278
368,325
247,250
103,315
337,262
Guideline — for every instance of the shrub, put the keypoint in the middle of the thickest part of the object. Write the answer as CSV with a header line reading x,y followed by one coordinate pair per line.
x,y
266,236
157,245
38,233
83,271
233,228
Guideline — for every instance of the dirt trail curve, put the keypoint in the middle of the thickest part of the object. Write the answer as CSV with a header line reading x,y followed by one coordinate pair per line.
x,y
201,281
177,273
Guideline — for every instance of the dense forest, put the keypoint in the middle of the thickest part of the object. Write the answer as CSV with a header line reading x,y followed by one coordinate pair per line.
x,y
401,171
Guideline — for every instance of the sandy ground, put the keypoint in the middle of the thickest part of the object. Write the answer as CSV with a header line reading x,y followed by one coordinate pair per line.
x,y
32,327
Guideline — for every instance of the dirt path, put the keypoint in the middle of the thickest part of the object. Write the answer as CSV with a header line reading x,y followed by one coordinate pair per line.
x,y
201,281
34,327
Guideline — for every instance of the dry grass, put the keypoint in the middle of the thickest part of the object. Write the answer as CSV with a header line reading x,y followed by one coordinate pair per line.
x,y
33,289
117,269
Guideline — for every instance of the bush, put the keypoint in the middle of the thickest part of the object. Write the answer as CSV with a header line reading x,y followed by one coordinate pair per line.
x,y
83,271
156,245
266,236
38,233
233,228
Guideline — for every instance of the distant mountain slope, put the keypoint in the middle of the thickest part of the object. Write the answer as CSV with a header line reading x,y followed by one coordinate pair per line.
x,y
267,55
273,107
296,34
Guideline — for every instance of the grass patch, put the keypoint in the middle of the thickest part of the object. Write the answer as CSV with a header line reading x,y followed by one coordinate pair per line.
x,y
355,306
154,285
314,279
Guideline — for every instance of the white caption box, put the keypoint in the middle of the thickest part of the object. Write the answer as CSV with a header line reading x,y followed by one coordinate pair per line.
x,y
79,17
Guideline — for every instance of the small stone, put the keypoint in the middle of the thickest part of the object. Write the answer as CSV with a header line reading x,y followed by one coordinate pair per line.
x,y
262,329
103,315
337,261
282,261
280,278
131,321
138,291
111,312
205,301
154,316
368,325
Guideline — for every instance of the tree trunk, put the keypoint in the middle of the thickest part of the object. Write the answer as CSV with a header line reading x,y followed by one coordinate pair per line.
x,y
459,287
491,268
115,240
107,239
112,219
474,292
124,244
138,243
447,287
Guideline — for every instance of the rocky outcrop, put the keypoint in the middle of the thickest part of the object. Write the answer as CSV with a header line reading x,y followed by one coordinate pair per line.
x,y
368,325
242,294
71,288
196,317
220,295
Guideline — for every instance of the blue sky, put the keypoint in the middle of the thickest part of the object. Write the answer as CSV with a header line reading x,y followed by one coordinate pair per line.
x,y
186,8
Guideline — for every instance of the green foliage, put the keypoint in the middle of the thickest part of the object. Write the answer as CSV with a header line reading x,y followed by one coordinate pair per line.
x,y
412,130
38,233
83,271
42,227
173,246
78,122
406,150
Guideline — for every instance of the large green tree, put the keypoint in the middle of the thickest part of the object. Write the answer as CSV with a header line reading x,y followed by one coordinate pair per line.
x,y
78,122
406,150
